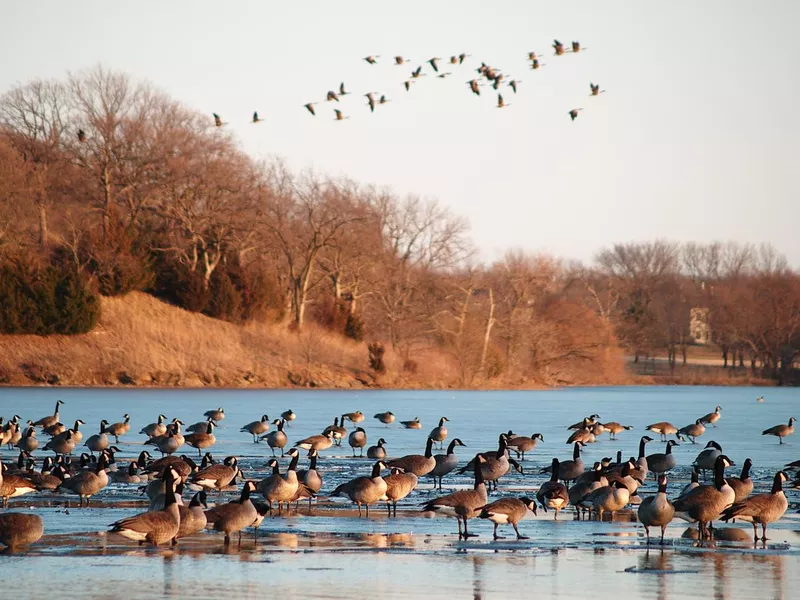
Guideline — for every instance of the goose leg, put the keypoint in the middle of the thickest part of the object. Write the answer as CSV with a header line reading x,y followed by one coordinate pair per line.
x,y
663,529
359,509
227,539
368,511
647,533
494,535
458,520
519,536
764,532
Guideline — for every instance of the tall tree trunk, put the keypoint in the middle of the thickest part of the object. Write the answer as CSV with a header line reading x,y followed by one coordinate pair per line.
x,y
488,333
43,235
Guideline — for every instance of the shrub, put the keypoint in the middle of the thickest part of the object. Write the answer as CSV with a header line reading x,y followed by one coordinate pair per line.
x,y
225,301
376,352
354,327
43,300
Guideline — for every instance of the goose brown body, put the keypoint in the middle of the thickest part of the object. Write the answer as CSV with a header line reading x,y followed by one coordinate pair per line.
x,y
20,529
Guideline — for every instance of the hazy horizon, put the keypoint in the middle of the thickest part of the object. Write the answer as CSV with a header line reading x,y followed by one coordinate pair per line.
x,y
693,140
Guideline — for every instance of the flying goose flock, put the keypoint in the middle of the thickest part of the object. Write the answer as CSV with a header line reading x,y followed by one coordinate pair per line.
x,y
191,495
482,77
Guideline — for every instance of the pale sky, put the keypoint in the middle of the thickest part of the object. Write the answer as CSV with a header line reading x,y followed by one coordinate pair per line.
x,y
696,137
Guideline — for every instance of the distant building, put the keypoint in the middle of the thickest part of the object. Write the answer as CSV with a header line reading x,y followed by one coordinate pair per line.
x,y
698,325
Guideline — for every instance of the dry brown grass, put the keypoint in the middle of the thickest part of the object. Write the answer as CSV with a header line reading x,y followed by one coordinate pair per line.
x,y
143,340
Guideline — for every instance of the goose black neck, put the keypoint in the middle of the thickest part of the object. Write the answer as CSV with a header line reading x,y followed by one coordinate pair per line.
x,y
554,471
642,443
376,470
619,457
576,452
669,449
142,460
429,448
745,470
21,459
451,448
245,494
719,474
280,425
695,476
441,422
76,426
55,412
478,473
777,483
276,468
313,462
195,500
102,427
131,469
102,463
501,446
662,486
210,428
293,463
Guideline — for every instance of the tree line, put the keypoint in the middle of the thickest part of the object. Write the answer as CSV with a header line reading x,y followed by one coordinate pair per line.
x,y
109,180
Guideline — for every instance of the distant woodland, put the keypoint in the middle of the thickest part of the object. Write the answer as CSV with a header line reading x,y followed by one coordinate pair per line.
x,y
108,186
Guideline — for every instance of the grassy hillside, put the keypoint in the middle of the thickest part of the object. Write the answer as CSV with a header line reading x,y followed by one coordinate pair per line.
x,y
143,341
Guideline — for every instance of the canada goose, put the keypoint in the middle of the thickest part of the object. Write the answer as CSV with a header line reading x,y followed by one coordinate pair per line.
x,y
217,414
338,431
585,485
342,90
656,511
584,436
99,441
781,431
358,439
418,464
415,424
277,438
183,465
399,60
569,470
76,435
377,451
553,494
707,458
434,63
202,440
218,120
595,89
444,75
354,417
663,428
87,483
54,429
463,504
627,476
370,96
614,428
761,509
256,119
281,489
154,527
535,64
445,463
742,485
310,108
383,99
417,73
193,517
331,96
129,475
760,399
693,431
387,418
407,84
15,434
364,490
200,426
170,442
439,433
257,428
317,442
462,56
705,503
500,102
641,467
661,463
234,516
693,483
514,83
155,429
20,529
521,444
610,498
507,510
81,136
573,114
49,420
372,59
339,115
28,442
12,486
46,479
311,477
398,486
118,429
585,422
219,476
474,86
